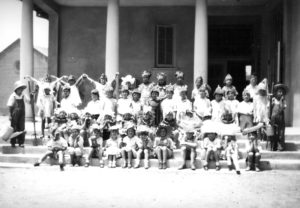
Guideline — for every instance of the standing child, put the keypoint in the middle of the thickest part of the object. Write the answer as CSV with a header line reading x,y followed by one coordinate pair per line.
x,y
163,146
16,105
145,87
67,103
161,85
228,85
217,105
188,145
96,145
136,104
146,146
112,146
75,145
232,154
130,148
56,150
245,111
179,86
202,106
100,85
154,104
252,87
212,145
277,116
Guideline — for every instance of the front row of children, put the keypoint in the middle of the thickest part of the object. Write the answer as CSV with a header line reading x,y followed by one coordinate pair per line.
x,y
137,144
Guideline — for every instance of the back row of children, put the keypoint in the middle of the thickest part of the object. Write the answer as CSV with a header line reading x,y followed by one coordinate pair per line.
x,y
155,105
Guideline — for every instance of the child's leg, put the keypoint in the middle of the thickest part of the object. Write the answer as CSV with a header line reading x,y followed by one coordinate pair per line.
x,y
206,159
146,159
129,154
43,126
183,157
281,137
137,154
193,157
109,159
78,154
114,161
159,157
89,157
229,163
21,127
43,158
123,152
100,153
164,157
61,157
257,157
236,162
250,160
216,156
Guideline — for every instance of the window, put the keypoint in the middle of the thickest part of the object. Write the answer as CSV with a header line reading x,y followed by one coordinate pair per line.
x,y
165,50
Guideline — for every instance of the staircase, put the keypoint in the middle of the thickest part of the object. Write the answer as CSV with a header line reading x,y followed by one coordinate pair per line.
x,y
286,160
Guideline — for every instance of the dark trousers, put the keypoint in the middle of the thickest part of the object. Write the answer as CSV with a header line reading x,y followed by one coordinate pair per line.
x,y
18,121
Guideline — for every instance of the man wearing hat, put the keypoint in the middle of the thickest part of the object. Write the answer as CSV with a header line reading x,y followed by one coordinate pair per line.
x,y
16,105
56,149
277,116
145,86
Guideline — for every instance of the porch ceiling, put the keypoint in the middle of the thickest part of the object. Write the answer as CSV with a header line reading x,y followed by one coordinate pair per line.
x,y
92,3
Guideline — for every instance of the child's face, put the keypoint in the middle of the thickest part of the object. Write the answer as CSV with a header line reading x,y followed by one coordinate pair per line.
x,y
125,94
47,91
127,116
75,133
19,91
161,82
198,83
169,116
169,94
66,93
102,81
107,117
146,80
246,97
251,137
189,114
135,96
218,97
202,94
179,80
230,95
253,81
279,93
114,134
189,135
144,136
183,95
109,94
96,132
163,132
154,95
211,136
130,133
228,82
56,136
146,116
71,82
94,97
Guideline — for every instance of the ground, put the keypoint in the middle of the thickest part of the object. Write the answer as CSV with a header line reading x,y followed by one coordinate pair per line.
x,y
46,186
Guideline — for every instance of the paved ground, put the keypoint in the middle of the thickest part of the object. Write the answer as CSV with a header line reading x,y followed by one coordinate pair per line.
x,y
46,186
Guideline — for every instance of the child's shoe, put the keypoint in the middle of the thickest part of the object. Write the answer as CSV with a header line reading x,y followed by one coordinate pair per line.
x,y
124,164
230,167
218,168
181,166
193,167
87,165
160,165
164,165
205,167
113,164
36,164
129,165
248,168
61,167
238,172
257,169
101,164
146,164
137,165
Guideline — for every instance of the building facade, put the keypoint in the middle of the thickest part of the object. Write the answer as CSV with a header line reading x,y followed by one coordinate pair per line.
x,y
208,38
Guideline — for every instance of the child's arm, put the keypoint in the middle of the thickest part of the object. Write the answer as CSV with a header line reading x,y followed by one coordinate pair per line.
x,y
33,79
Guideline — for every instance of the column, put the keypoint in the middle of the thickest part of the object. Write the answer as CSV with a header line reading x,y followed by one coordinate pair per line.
x,y
200,42
26,51
112,39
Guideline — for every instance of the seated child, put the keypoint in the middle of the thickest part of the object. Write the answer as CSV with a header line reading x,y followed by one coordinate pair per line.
x,y
146,146
217,105
171,122
75,145
188,145
163,146
106,120
212,146
252,148
232,154
112,146
56,150
228,86
202,106
130,148
96,145
245,111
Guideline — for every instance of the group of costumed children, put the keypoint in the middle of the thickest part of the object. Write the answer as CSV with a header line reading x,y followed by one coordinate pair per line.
x,y
151,120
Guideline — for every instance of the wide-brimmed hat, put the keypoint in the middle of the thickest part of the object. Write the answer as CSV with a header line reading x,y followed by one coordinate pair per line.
x,y
163,126
284,88
95,127
136,91
19,84
170,88
76,127
209,127
218,91
142,129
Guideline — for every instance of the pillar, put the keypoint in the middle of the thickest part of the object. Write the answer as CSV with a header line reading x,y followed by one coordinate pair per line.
x,y
200,42
112,39
26,51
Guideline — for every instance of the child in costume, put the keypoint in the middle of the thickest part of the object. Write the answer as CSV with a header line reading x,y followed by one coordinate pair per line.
x,y
170,121
56,150
130,148
188,145
277,117
16,105
179,86
252,87
112,146
163,146
100,85
245,111
146,146
211,144
168,104
202,106
232,154
146,86
217,105
96,145
124,103
110,103
74,92
67,103
136,104
154,104
75,145
161,85
228,85
106,120
261,103
183,104
198,84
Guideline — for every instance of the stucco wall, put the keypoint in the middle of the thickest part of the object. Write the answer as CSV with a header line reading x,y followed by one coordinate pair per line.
x,y
83,33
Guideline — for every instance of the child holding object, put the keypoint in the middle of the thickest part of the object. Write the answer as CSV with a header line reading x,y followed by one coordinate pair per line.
x,y
56,150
